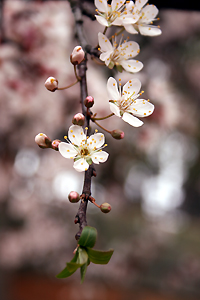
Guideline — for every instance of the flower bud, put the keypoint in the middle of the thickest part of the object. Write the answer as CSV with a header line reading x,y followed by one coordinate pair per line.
x,y
55,144
89,101
78,119
117,134
105,207
77,55
73,197
43,140
51,84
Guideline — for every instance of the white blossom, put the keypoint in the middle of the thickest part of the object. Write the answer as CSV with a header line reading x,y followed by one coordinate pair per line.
x,y
145,15
114,13
125,104
120,55
82,149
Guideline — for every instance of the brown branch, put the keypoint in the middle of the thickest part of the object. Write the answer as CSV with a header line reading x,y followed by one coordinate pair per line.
x,y
82,68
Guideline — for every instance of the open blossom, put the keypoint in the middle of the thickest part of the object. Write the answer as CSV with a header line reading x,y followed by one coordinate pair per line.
x,y
114,13
125,103
82,149
120,55
145,17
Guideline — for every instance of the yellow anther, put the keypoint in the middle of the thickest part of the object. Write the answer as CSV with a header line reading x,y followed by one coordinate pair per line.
x,y
73,136
65,137
71,130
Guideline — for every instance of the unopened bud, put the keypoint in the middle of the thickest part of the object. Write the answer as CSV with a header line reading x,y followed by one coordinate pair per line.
x,y
43,140
51,84
77,55
117,134
78,119
55,144
89,101
73,197
105,207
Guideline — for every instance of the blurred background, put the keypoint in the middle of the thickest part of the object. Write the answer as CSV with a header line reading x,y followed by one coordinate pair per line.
x,y
151,179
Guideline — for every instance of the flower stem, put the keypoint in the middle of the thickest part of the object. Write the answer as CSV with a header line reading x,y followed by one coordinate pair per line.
x,y
96,61
101,126
75,72
66,87
105,29
103,118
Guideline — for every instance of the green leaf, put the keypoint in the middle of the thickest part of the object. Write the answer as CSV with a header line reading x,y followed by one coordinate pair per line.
x,y
79,259
99,257
66,272
88,237
82,256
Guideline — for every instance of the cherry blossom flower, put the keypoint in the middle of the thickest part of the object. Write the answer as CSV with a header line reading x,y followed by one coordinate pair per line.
x,y
112,14
126,104
145,17
82,149
120,55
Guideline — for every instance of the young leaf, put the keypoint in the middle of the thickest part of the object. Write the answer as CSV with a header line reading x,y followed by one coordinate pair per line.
x,y
70,268
88,237
65,273
99,257
82,256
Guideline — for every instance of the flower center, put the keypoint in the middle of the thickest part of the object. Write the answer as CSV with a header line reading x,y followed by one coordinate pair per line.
x,y
84,152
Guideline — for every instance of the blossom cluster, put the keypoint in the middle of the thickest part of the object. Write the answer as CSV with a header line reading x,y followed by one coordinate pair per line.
x,y
125,102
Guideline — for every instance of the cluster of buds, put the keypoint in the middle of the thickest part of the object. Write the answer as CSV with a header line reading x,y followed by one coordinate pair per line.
x,y
43,141
74,197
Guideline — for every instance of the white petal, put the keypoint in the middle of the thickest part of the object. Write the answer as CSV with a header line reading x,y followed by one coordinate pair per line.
x,y
149,13
132,87
132,65
106,56
102,21
96,140
141,108
100,156
112,89
131,49
149,30
130,28
76,135
104,43
67,150
101,5
116,4
81,165
114,109
130,119
140,3
117,22
130,19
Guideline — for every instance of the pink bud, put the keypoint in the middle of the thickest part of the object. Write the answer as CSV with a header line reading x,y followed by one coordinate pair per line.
x,y
105,207
89,101
117,134
78,119
43,140
77,55
73,197
55,144
51,84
